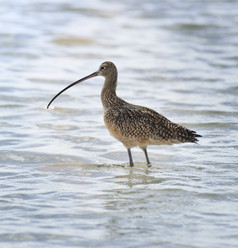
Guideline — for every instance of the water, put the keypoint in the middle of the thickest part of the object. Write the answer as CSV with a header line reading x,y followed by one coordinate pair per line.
x,y
64,181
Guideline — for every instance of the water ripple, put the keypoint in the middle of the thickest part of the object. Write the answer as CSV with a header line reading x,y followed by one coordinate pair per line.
x,y
65,182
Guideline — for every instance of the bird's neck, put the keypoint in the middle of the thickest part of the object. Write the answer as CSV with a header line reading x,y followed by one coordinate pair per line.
x,y
108,93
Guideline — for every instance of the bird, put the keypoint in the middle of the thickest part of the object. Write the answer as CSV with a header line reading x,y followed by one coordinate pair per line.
x,y
134,125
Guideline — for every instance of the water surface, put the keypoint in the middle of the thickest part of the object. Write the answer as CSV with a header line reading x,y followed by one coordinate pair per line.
x,y
65,181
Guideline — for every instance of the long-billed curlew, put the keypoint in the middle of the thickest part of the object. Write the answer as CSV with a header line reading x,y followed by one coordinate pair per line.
x,y
131,124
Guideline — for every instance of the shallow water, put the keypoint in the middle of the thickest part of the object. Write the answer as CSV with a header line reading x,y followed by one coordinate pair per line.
x,y
65,181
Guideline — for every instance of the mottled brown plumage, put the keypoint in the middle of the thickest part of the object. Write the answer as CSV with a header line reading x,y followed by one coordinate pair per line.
x,y
131,124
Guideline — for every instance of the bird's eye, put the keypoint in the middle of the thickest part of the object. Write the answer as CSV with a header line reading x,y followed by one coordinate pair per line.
x,y
102,68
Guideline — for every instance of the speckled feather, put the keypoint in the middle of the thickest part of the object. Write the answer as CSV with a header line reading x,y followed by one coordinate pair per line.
x,y
140,126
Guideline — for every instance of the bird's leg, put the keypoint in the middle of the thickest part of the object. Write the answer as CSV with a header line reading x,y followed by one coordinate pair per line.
x,y
146,155
130,157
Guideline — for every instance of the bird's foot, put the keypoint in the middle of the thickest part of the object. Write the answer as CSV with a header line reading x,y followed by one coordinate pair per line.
x,y
131,165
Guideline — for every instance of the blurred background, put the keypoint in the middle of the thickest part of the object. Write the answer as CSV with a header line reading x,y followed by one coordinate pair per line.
x,y
64,179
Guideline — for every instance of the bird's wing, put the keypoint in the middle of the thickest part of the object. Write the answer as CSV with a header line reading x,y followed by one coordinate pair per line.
x,y
137,121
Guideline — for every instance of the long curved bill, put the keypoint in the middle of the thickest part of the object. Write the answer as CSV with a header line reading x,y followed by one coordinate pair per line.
x,y
71,85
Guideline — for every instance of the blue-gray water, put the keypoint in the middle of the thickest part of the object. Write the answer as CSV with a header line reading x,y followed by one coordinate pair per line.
x,y
65,181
